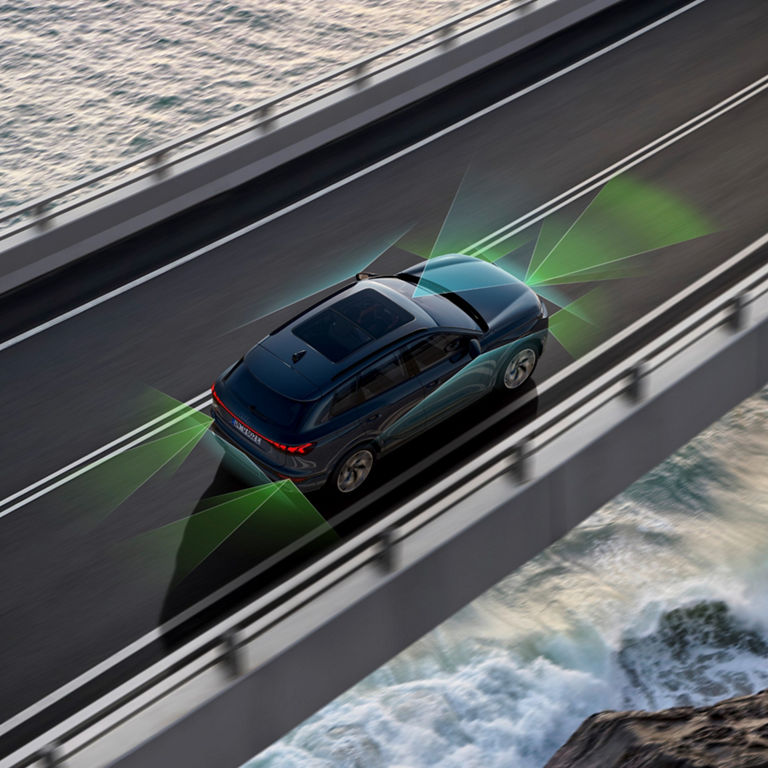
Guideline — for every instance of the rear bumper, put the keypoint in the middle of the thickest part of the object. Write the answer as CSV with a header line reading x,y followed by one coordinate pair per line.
x,y
303,482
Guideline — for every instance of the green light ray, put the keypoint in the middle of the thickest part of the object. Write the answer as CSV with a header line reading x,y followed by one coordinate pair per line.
x,y
205,531
446,240
553,295
301,285
625,219
213,501
165,410
261,521
468,215
619,269
579,326
109,484
106,484
158,404
236,462
551,232
416,242
500,253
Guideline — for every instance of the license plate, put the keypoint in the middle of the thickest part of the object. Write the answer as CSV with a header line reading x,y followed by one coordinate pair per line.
x,y
247,432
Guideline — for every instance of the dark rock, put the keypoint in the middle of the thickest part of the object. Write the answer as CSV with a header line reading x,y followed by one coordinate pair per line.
x,y
730,734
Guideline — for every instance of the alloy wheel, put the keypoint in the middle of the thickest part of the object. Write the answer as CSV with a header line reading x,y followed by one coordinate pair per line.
x,y
354,470
519,368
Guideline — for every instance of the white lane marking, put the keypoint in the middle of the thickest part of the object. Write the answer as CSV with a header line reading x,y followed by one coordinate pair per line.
x,y
342,182
627,158
553,205
93,454
754,90
98,462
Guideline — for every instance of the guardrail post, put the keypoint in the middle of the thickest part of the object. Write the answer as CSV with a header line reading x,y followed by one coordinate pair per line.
x,y
445,34
386,555
524,7
232,656
637,381
264,117
736,310
360,74
51,756
157,160
39,211
520,456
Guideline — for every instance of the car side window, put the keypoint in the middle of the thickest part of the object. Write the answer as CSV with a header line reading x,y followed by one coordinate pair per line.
x,y
384,375
347,396
432,350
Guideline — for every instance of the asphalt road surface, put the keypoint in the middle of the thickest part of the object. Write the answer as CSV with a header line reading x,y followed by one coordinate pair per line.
x,y
75,588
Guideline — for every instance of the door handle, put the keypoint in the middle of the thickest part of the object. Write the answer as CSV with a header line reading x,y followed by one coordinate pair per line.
x,y
431,384
374,417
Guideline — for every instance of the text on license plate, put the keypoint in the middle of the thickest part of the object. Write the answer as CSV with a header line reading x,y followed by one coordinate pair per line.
x,y
247,432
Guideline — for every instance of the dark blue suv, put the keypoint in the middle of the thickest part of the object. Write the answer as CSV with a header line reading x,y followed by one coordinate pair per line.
x,y
376,363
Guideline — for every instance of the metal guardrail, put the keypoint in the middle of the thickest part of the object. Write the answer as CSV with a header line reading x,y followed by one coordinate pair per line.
x,y
378,543
261,118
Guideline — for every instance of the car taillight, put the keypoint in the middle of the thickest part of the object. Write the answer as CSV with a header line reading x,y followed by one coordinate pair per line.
x,y
302,449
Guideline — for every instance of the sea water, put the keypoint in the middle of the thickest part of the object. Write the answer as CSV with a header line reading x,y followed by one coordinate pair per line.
x,y
86,84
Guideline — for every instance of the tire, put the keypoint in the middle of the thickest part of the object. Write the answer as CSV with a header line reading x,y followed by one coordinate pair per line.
x,y
353,469
518,368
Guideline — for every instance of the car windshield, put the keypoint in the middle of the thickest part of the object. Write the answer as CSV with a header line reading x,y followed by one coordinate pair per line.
x,y
350,323
433,295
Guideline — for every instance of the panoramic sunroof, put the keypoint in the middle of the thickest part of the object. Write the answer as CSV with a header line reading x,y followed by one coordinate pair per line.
x,y
350,323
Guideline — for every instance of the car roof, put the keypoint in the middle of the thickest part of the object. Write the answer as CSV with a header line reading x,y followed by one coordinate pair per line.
x,y
300,345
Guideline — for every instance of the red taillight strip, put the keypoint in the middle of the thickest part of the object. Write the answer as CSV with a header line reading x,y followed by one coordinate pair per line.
x,y
302,449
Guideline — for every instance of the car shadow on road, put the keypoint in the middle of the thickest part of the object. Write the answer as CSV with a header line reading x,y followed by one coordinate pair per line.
x,y
251,560
238,542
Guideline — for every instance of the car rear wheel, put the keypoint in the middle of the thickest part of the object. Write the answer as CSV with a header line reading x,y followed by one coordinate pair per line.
x,y
518,368
353,470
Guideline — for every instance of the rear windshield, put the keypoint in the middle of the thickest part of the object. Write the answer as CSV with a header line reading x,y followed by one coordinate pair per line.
x,y
266,404
350,323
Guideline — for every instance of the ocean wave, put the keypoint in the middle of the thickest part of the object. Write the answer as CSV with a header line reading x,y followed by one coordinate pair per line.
x,y
498,710
697,654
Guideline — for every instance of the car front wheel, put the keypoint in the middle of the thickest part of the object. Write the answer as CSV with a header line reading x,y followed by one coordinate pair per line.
x,y
518,368
353,470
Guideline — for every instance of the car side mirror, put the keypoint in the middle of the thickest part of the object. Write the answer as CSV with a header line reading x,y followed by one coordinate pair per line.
x,y
474,348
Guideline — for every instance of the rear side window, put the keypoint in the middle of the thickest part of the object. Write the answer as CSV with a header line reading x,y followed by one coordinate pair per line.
x,y
376,380
383,376
428,352
346,396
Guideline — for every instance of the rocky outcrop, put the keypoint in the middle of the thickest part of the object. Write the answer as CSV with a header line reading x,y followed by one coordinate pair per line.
x,y
730,734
